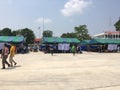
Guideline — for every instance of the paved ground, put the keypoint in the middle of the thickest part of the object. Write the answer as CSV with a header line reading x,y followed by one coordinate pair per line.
x,y
39,71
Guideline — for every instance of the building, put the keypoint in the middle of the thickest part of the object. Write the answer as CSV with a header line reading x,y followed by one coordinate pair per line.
x,y
38,40
108,35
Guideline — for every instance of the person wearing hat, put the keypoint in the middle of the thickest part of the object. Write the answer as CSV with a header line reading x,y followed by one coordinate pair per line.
x,y
4,56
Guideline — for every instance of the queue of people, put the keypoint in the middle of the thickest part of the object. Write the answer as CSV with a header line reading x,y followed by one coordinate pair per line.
x,y
8,53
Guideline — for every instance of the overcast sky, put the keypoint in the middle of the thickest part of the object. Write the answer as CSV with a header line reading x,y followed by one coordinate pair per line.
x,y
60,16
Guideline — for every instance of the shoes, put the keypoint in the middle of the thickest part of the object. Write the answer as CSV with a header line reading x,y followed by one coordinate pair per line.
x,y
3,68
8,65
15,63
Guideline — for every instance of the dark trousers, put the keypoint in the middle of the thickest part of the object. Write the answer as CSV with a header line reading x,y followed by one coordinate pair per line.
x,y
51,51
4,61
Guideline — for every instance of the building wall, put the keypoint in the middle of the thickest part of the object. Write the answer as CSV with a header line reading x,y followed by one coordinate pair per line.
x,y
109,35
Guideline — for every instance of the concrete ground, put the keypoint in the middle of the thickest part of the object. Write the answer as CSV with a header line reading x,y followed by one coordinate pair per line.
x,y
39,71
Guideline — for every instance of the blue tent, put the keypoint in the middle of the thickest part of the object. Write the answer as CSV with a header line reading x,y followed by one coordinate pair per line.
x,y
59,40
14,39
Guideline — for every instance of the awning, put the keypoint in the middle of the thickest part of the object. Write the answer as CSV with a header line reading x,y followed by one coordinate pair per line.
x,y
14,39
104,41
85,42
59,40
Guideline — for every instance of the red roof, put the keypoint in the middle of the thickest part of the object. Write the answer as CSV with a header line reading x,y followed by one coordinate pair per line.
x,y
112,32
38,39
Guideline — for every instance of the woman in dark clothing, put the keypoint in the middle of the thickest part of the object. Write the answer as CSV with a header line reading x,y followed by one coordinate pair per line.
x,y
4,56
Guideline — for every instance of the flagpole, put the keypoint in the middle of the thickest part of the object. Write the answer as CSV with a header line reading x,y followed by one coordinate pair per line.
x,y
43,24
39,31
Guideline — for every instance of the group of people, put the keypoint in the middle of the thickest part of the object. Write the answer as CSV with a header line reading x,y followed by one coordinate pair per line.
x,y
8,52
64,48
76,49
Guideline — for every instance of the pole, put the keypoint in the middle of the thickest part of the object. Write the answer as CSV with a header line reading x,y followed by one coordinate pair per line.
x,y
43,23
39,31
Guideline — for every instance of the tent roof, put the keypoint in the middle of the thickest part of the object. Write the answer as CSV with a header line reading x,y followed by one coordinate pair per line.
x,y
85,42
104,41
60,40
15,39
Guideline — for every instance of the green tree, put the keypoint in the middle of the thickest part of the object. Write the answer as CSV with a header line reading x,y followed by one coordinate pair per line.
x,y
6,32
117,25
47,33
68,35
28,35
14,33
82,32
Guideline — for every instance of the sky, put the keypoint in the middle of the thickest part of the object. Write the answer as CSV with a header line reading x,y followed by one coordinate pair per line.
x,y
59,16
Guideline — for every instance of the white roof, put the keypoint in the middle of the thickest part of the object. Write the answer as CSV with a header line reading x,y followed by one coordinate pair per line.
x,y
99,34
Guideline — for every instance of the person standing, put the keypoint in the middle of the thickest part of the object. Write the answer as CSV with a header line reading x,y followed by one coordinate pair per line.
x,y
12,53
73,50
51,50
4,56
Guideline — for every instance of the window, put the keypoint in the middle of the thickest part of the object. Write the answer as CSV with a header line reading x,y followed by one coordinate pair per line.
x,y
114,36
106,36
117,36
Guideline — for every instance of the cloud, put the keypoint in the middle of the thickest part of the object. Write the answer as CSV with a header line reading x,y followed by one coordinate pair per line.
x,y
45,20
75,6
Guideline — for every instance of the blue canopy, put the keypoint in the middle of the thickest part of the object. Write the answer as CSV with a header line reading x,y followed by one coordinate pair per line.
x,y
104,41
14,39
59,40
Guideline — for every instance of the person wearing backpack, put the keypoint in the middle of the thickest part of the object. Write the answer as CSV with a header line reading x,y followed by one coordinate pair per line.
x,y
12,53
4,56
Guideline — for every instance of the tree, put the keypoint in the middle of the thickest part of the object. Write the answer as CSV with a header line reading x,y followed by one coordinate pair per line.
x,y
6,32
18,32
9,32
117,25
28,35
68,35
47,33
82,32
14,33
